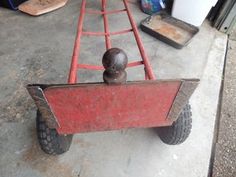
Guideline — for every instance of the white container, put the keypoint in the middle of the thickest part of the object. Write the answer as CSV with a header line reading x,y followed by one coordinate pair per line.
x,y
192,11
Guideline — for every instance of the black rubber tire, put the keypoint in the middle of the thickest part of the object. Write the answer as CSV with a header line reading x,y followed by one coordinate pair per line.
x,y
49,140
180,129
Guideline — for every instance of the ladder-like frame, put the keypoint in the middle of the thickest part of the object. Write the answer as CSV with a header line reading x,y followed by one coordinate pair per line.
x,y
75,65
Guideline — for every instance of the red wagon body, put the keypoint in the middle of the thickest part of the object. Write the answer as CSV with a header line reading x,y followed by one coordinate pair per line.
x,y
80,107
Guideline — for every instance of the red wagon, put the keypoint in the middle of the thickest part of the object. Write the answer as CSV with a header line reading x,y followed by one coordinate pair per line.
x,y
66,109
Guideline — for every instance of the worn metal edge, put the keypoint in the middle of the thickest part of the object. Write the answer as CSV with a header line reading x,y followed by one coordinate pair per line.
x,y
186,89
36,92
48,86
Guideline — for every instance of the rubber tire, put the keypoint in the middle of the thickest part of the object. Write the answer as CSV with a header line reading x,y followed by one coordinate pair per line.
x,y
49,140
180,129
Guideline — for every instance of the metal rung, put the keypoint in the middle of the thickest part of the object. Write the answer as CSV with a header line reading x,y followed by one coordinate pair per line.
x,y
91,67
96,67
104,12
136,63
86,33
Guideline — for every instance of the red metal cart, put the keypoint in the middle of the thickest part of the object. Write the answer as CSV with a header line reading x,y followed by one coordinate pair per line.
x,y
66,109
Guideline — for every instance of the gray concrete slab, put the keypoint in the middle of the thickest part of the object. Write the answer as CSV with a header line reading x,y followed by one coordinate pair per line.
x,y
232,34
39,50
225,152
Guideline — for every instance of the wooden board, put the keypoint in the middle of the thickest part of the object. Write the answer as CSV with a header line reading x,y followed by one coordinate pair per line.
x,y
39,7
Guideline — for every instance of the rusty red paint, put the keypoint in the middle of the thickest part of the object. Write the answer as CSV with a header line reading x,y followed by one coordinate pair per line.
x,y
99,107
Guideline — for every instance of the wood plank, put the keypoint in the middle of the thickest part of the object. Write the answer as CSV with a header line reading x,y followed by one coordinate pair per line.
x,y
39,7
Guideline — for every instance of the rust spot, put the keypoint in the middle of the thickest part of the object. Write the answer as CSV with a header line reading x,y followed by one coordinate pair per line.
x,y
167,30
170,28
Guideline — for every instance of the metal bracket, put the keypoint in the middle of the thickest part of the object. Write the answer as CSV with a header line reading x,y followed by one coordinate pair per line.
x,y
185,91
40,100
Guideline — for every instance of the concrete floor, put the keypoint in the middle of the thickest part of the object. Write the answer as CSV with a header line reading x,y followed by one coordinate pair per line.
x,y
38,50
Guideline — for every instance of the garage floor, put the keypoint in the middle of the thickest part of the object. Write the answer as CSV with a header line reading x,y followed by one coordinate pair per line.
x,y
38,50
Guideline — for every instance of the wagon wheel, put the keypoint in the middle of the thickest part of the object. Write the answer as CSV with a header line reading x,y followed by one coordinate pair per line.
x,y
49,140
180,129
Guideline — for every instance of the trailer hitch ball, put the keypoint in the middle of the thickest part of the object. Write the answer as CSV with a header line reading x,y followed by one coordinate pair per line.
x,y
114,61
